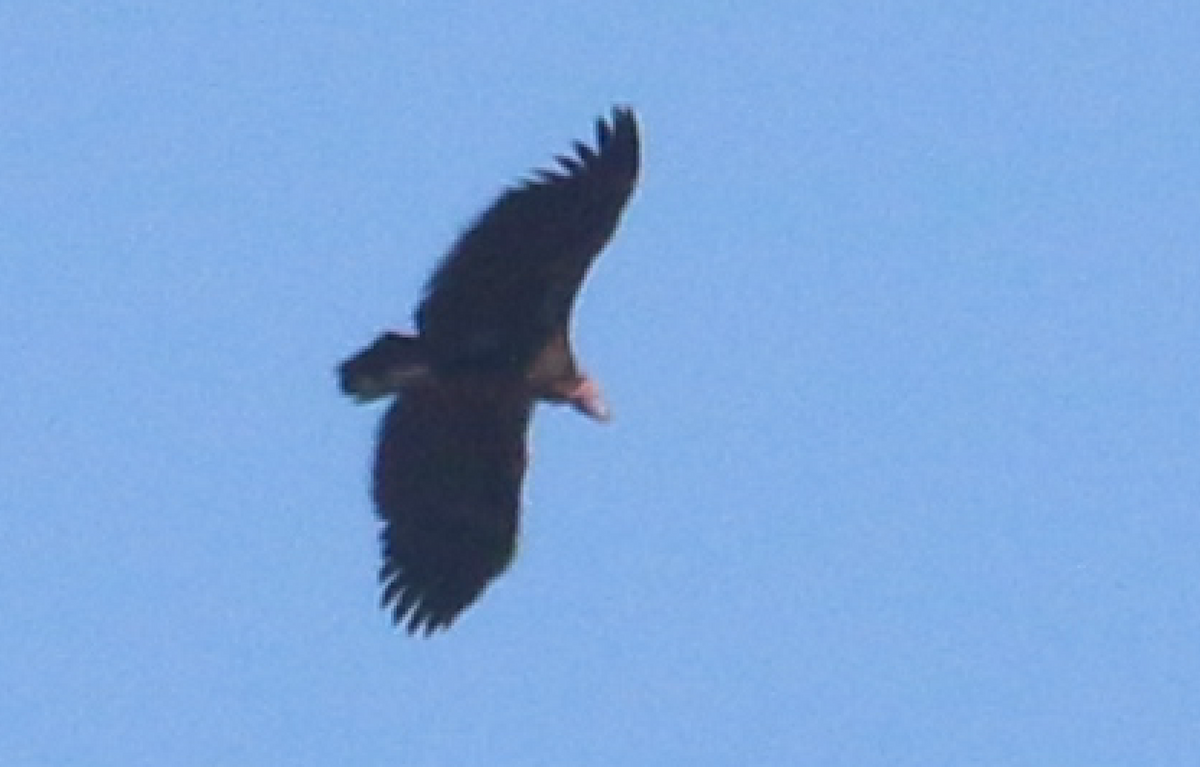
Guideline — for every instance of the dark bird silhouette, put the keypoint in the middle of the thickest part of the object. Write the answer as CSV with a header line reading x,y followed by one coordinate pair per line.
x,y
492,340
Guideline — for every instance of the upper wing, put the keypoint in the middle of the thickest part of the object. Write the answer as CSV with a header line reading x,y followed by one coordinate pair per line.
x,y
447,485
511,278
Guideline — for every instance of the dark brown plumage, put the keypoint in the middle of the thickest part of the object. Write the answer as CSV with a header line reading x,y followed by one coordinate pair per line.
x,y
493,339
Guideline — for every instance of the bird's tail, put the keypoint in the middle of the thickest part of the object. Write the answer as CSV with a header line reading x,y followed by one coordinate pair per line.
x,y
384,367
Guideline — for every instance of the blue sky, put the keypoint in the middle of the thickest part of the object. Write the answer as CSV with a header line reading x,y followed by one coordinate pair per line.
x,y
902,335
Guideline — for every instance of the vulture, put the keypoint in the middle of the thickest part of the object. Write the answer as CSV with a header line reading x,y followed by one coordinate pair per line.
x,y
492,340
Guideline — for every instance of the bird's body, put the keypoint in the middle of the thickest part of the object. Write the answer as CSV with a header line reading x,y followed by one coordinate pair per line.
x,y
493,339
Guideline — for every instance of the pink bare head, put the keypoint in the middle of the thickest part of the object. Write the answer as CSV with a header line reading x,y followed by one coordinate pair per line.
x,y
587,399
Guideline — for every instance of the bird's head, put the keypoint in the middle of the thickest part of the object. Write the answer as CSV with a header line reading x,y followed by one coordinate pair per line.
x,y
585,396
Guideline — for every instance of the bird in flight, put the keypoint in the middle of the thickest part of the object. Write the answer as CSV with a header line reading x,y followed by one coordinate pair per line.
x,y
492,340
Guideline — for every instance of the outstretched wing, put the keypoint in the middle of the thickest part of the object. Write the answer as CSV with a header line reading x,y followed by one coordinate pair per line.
x,y
511,278
447,486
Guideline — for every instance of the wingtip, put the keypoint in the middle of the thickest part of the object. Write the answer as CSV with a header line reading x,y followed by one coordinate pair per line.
x,y
409,609
623,112
618,141
617,145
622,120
